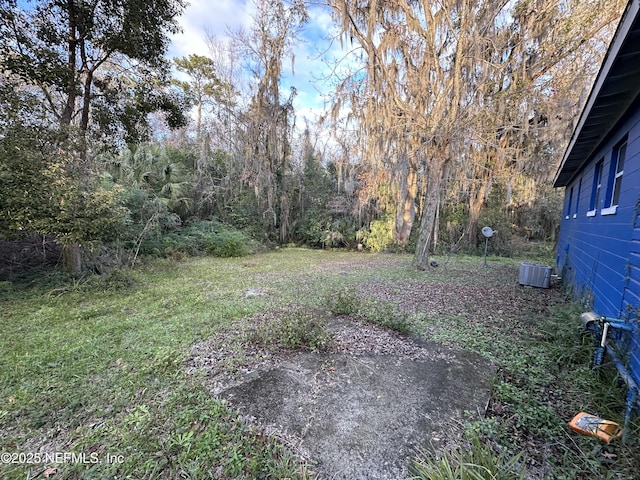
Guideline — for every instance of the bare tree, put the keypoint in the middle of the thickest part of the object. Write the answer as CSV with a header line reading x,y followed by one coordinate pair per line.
x,y
535,73
464,89
269,119
415,55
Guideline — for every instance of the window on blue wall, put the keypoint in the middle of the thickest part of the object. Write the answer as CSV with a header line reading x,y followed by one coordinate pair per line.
x,y
620,153
597,186
569,203
614,183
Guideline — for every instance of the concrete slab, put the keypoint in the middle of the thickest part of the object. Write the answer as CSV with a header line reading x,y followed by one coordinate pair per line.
x,y
363,416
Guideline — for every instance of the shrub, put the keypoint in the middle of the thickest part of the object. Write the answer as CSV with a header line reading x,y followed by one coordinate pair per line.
x,y
294,328
115,280
227,243
312,227
303,329
386,315
380,235
207,238
344,301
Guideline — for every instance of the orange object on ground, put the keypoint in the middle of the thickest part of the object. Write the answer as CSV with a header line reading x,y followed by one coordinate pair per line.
x,y
587,424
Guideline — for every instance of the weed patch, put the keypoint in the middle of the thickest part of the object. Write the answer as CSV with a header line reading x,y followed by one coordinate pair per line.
x,y
472,461
347,301
343,301
294,328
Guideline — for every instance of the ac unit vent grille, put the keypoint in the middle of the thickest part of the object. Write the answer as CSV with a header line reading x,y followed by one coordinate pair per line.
x,y
534,275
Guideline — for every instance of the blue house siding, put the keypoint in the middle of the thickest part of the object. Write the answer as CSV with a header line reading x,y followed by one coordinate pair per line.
x,y
599,244
599,254
632,298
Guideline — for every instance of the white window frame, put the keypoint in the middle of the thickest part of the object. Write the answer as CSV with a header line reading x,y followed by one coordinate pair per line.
x,y
617,180
597,187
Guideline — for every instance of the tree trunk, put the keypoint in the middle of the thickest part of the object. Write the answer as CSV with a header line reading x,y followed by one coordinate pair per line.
x,y
407,207
200,140
476,202
436,225
435,177
284,216
70,87
72,259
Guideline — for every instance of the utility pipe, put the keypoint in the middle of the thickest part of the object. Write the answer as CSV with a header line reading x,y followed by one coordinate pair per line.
x,y
590,318
632,393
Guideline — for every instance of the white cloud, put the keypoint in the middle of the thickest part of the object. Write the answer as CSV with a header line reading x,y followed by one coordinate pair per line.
x,y
203,16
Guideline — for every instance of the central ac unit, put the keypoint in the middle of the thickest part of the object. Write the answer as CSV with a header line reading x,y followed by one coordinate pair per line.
x,y
534,275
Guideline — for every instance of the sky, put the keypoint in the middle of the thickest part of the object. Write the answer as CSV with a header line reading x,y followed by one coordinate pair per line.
x,y
223,16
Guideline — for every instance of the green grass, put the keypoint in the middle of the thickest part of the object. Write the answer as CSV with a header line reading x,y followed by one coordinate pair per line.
x,y
97,367
475,462
92,370
544,379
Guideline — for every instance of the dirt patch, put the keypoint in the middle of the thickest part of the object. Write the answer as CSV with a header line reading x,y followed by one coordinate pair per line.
x,y
358,410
